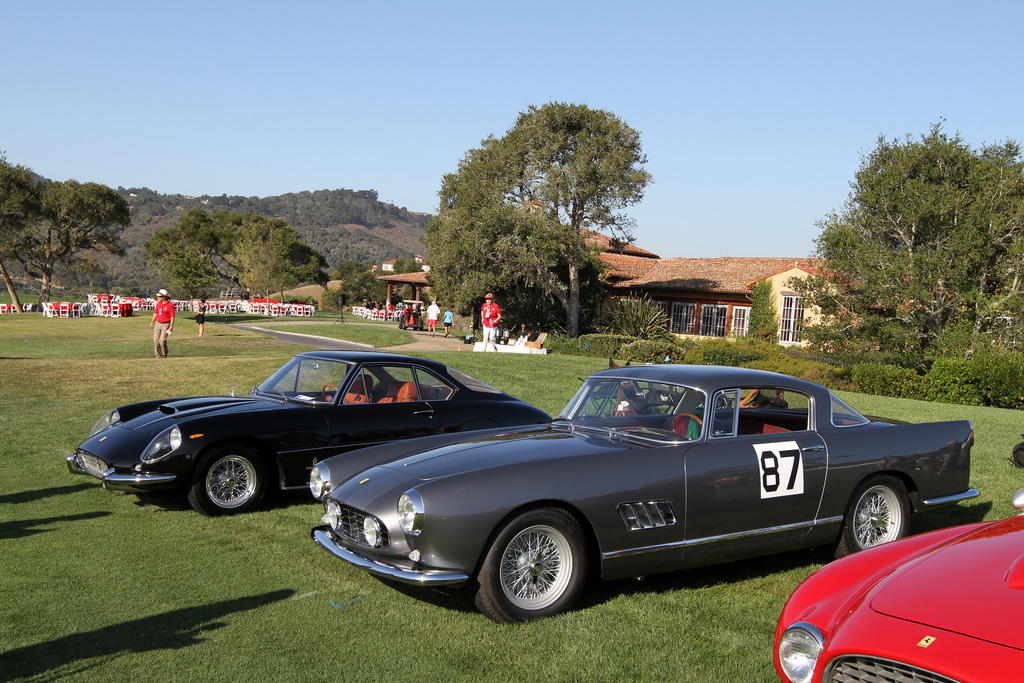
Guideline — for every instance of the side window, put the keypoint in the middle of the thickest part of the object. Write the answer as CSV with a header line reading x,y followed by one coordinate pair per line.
x,y
723,420
769,410
391,384
432,388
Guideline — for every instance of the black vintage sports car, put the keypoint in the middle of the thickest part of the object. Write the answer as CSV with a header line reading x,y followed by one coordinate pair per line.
x,y
648,469
225,452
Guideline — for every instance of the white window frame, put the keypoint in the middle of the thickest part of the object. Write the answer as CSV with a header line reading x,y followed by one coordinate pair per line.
x,y
684,318
740,321
713,320
792,324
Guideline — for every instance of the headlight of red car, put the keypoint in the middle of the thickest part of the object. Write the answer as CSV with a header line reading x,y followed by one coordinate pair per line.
x,y
799,649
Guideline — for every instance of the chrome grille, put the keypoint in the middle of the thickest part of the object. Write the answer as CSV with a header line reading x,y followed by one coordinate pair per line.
x,y
91,464
859,669
648,515
350,526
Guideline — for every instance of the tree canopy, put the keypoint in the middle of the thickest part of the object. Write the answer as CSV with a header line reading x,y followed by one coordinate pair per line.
x,y
925,258
49,227
515,216
257,253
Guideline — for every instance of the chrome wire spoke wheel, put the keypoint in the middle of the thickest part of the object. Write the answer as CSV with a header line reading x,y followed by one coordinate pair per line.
x,y
878,518
536,567
231,481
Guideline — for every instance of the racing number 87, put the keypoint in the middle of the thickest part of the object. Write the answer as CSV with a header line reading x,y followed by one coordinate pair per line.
x,y
782,472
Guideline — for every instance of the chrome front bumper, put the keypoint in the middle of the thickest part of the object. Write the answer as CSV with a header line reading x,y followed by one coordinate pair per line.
x,y
136,481
426,577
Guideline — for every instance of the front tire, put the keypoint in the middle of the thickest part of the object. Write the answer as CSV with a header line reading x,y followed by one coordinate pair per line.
x,y
879,512
231,480
536,567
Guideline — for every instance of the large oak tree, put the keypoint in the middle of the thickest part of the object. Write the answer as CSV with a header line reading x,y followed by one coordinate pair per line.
x,y
515,216
60,222
927,256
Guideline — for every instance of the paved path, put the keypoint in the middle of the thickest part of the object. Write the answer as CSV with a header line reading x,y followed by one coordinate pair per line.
x,y
422,340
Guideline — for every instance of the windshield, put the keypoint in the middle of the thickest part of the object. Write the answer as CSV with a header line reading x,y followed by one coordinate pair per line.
x,y
657,410
307,379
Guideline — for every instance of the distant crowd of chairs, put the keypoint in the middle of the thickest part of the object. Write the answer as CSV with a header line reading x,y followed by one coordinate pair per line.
x,y
111,306
382,314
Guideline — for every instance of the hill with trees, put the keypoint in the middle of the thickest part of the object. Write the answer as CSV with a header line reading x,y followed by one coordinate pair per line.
x,y
341,224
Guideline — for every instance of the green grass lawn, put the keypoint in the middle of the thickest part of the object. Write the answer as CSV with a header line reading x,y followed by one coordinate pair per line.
x,y
99,586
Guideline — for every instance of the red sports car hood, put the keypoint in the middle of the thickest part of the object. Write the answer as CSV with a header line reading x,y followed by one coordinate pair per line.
x,y
974,586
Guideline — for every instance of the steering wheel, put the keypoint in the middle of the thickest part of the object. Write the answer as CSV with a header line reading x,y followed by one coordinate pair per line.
x,y
680,427
324,391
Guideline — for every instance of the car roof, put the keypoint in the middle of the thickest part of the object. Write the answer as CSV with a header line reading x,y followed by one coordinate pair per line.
x,y
373,357
709,377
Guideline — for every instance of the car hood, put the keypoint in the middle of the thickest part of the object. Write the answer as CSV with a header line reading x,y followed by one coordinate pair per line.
x,y
545,443
161,414
973,586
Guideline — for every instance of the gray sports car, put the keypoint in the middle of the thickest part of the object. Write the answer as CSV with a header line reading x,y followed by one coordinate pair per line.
x,y
648,469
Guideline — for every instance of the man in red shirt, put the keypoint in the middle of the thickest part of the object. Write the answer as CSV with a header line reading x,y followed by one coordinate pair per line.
x,y
162,322
490,316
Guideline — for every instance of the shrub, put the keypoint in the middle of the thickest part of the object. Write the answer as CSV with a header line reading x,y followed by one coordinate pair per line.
x,y
953,381
639,318
602,345
886,380
1000,379
652,351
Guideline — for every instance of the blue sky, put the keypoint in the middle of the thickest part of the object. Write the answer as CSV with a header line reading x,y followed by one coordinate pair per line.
x,y
753,115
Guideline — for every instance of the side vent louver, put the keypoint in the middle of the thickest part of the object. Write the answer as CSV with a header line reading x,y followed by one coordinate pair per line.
x,y
649,515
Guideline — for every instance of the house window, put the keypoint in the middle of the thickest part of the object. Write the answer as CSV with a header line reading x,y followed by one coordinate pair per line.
x,y
792,319
740,320
684,318
712,320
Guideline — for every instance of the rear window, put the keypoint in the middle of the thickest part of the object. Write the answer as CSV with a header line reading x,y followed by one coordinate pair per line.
x,y
845,416
472,382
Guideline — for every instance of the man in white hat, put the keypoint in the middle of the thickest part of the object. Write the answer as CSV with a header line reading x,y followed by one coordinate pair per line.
x,y
490,316
162,322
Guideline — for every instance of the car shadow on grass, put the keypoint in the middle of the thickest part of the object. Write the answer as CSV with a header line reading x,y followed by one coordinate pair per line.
x,y
79,652
598,591
20,528
39,494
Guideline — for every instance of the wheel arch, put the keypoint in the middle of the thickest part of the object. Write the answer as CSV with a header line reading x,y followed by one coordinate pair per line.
x,y
269,456
593,554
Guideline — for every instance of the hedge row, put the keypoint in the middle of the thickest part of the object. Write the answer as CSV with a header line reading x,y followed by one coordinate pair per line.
x,y
987,380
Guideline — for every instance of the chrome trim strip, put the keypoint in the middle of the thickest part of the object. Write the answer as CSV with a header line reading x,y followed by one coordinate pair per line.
x,y
425,577
725,537
949,500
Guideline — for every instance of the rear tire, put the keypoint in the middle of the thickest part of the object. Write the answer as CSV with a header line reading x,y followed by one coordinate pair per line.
x,y
878,513
536,567
231,480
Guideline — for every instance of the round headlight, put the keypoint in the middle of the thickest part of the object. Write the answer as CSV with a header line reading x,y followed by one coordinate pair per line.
x,y
410,512
799,649
111,417
318,483
371,531
163,445
332,514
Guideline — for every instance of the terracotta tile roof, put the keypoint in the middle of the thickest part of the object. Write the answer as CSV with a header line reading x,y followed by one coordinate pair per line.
x,y
726,274
596,239
622,267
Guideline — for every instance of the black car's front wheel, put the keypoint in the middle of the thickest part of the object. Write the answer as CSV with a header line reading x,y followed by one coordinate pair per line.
x,y
231,480
536,567
879,512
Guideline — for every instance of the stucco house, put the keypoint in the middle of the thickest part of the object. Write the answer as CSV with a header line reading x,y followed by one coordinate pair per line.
x,y
708,297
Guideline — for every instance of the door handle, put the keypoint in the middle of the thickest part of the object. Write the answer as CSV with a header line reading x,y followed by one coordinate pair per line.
x,y
810,449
